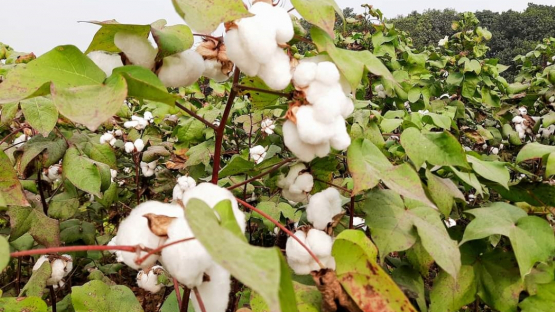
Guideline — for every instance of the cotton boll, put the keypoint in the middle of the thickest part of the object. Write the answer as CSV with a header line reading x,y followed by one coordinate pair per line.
x,y
310,130
322,207
213,70
257,153
130,124
304,74
184,183
258,33
276,73
106,61
292,175
212,194
238,54
294,197
327,73
117,253
315,91
341,139
329,106
303,184
139,145
129,147
348,107
215,293
284,25
136,48
181,69
304,151
319,242
149,281
518,120
186,261
295,252
134,230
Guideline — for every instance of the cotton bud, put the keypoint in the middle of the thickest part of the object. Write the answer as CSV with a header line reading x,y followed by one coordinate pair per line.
x,y
184,183
149,280
134,230
136,48
322,207
129,147
106,61
267,125
258,153
318,242
139,145
182,69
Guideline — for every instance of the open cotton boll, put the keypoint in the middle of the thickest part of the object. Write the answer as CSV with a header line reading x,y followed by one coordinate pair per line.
x,y
139,145
310,130
185,261
129,147
134,230
117,253
294,198
330,106
258,33
327,73
304,151
106,61
316,90
322,207
149,281
341,139
215,293
348,107
239,55
283,24
319,242
303,184
213,70
212,194
184,183
292,175
295,252
182,69
276,73
304,74
137,49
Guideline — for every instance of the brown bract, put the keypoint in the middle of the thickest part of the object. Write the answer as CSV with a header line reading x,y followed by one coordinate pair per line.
x,y
158,224
334,297
298,100
214,49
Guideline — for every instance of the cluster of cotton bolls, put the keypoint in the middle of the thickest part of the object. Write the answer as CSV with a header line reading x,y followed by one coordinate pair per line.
x,y
257,153
139,123
137,146
60,265
297,185
253,44
546,133
187,261
380,91
147,279
52,173
184,184
181,69
320,124
148,169
523,123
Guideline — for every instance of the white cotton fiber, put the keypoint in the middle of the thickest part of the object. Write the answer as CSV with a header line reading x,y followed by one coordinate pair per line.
x,y
304,151
296,252
348,107
304,74
134,230
318,242
184,183
341,139
294,198
276,73
303,183
327,73
213,70
149,281
322,207
106,61
238,54
310,130
136,48
258,33
329,107
215,293
284,26
182,69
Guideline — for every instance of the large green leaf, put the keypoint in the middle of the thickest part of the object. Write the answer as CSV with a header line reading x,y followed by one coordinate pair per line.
x,y
11,192
543,301
144,84
4,253
33,221
276,210
52,149
36,286
29,304
371,288
350,63
91,105
41,113
237,165
443,192
83,172
171,39
492,170
267,272
437,148
309,299
97,296
410,280
205,16
75,230
534,150
65,66
320,13
536,194
104,38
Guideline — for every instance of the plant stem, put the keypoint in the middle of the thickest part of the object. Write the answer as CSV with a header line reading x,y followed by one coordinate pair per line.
x,y
199,300
207,36
137,162
351,212
221,128
40,251
53,298
333,185
157,250
18,277
246,88
283,228
41,191
185,300
272,169
177,291
194,115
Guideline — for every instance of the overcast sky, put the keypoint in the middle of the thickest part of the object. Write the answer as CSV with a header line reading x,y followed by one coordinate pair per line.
x,y
40,25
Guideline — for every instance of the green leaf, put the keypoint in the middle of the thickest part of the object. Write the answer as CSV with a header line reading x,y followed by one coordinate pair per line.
x,y
455,79
350,63
420,259
543,301
267,272
534,150
205,16
536,194
276,211
498,218
468,178
443,192
82,171
29,304
414,94
450,294
436,148
65,66
259,99
412,282
64,205
97,296
144,84
41,113
4,253
104,38
11,192
550,165
492,170
33,221
75,230
171,39
363,279
235,166
227,218
93,104
36,286
320,13
101,152
309,299
52,149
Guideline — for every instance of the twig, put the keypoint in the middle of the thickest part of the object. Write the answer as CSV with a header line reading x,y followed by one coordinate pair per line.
x,y
333,185
40,251
137,162
194,115
247,88
199,300
41,191
177,291
185,299
12,133
274,168
283,228
53,298
221,128
18,277
351,212
207,36
157,250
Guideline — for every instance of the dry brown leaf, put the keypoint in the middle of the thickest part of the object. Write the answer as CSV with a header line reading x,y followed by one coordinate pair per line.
x,y
158,224
334,297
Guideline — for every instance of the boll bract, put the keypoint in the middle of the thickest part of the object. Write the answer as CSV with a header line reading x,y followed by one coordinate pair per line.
x,y
136,48
184,183
106,61
257,153
322,207
149,280
182,69
318,242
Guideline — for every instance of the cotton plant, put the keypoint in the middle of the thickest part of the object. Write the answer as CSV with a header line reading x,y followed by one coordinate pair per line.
x,y
217,65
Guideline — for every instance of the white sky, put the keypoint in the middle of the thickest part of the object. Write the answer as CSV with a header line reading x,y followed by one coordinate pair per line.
x,y
40,25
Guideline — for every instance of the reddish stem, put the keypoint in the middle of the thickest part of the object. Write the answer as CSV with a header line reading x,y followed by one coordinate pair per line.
x,y
75,248
12,133
157,250
283,228
333,185
221,128
351,212
274,168
177,291
194,115
199,300
247,88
